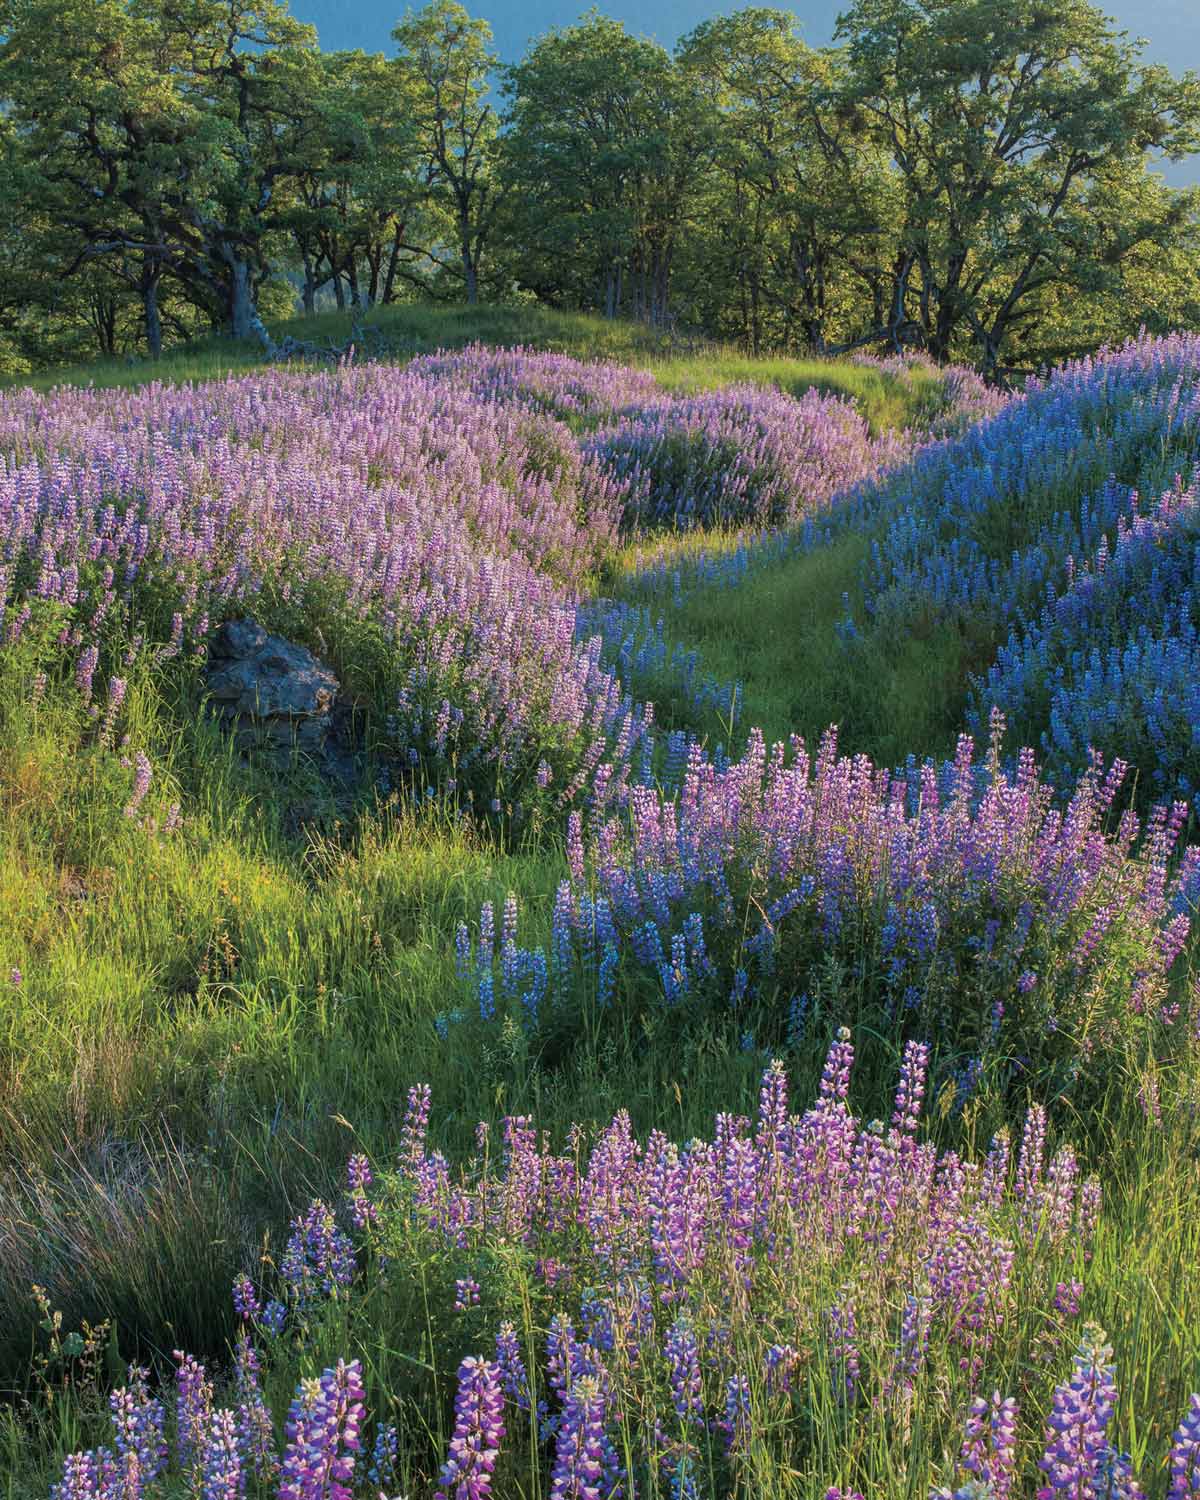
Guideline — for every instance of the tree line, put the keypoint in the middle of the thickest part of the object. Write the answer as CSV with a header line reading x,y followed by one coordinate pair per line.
x,y
973,178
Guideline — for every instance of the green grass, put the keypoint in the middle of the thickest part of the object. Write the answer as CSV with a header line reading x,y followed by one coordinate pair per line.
x,y
402,331
776,634
887,402
406,329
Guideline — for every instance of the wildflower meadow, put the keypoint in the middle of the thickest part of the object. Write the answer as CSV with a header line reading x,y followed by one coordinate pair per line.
x,y
717,1015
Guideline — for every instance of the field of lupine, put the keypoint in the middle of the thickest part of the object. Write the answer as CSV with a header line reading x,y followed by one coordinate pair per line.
x,y
735,1034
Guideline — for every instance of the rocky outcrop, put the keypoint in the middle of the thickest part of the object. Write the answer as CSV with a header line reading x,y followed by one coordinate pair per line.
x,y
269,690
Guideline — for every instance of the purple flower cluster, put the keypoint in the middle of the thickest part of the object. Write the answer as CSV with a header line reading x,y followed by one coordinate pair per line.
x,y
193,1408
952,543
757,1208
1112,660
940,886
323,1436
990,1442
138,1423
92,1475
451,528
223,1472
744,455
1079,1462
580,1449
575,391
319,1258
478,1430
693,1286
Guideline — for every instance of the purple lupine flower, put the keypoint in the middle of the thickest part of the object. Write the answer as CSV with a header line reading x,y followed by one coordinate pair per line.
x,y
255,1429
1031,1168
736,1420
779,1363
274,1316
598,1317
478,1430
143,773
835,1076
223,1476
682,1354
1077,1449
85,670
358,1179
773,1103
193,1409
512,1367
565,1360
579,1448
466,1293
989,1443
138,1425
381,1475
912,1087
1184,1463
416,1125
914,1340
843,1350
323,1436
117,688
318,1256
508,929
464,965
682,1478
93,1475
245,1299
575,847
994,1180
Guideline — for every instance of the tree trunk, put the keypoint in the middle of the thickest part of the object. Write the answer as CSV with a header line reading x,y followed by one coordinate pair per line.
x,y
242,313
339,291
660,283
352,282
242,316
104,320
389,281
150,313
610,292
310,287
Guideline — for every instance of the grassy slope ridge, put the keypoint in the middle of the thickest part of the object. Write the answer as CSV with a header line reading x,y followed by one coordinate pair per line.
x,y
201,1026
406,330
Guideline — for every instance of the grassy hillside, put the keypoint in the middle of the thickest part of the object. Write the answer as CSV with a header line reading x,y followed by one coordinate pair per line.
x,y
887,399
225,974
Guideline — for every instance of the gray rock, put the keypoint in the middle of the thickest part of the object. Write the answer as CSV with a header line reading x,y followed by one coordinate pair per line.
x,y
270,689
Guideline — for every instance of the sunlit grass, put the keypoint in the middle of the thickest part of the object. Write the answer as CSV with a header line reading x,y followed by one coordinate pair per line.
x,y
397,333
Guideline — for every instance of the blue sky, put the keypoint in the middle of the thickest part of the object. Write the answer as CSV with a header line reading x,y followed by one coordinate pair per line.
x,y
1172,27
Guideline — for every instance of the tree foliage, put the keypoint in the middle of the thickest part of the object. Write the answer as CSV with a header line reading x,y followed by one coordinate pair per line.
x,y
973,178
